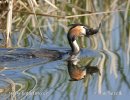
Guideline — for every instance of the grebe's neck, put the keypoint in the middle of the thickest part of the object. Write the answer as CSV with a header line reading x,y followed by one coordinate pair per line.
x,y
73,44
75,47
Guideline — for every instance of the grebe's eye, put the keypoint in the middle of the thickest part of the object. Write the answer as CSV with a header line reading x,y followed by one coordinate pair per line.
x,y
85,28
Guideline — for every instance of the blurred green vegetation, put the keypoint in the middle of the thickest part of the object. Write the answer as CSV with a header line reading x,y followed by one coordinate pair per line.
x,y
46,21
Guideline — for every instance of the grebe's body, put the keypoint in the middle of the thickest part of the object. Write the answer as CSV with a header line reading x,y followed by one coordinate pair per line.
x,y
77,30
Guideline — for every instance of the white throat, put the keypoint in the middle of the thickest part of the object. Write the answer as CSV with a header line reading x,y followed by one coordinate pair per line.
x,y
76,46
83,31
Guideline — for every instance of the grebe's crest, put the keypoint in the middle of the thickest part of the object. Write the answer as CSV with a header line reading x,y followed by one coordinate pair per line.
x,y
78,30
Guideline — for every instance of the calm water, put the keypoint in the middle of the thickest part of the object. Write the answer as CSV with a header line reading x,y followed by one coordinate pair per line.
x,y
23,76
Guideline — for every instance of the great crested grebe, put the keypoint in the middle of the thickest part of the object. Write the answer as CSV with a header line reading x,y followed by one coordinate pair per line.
x,y
77,73
77,30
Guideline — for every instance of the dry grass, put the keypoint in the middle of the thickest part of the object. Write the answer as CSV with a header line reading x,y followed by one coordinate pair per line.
x,y
34,17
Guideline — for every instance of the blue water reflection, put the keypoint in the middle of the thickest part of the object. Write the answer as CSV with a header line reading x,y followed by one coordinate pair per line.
x,y
24,76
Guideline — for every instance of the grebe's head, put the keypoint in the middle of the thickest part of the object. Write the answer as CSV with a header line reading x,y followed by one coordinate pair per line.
x,y
78,30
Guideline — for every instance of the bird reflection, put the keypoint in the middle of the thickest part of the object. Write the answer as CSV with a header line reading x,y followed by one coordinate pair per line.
x,y
78,72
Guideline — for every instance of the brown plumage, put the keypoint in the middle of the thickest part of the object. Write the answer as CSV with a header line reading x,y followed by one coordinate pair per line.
x,y
76,31
77,73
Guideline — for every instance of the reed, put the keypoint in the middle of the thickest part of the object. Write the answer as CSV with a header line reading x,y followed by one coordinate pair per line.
x,y
33,23
32,15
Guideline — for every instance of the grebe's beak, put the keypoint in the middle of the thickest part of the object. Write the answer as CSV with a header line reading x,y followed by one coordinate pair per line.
x,y
91,31
96,30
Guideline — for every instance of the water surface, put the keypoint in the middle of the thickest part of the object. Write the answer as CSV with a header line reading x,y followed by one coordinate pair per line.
x,y
23,76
